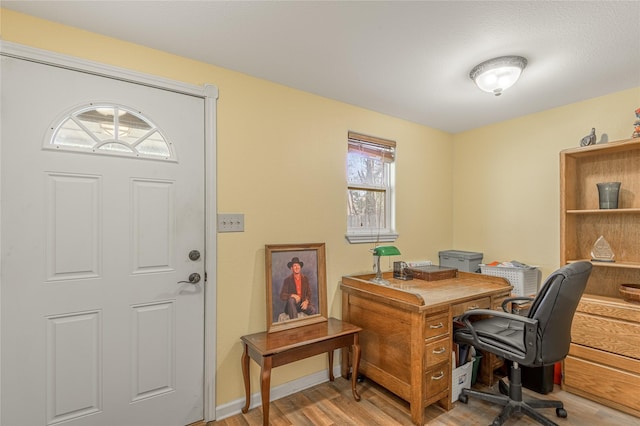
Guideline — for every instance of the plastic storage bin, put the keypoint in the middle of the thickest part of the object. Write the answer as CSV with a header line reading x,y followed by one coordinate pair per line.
x,y
466,261
461,379
525,281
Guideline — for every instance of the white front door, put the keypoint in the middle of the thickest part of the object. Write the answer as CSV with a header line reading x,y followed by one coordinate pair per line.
x,y
99,326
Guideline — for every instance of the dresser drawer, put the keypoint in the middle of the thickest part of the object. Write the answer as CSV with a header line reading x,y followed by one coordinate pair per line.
x,y
437,351
436,325
436,381
597,356
608,334
461,308
585,377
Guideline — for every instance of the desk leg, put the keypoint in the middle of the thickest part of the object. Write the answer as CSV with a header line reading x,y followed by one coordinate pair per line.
x,y
356,364
331,365
265,386
247,381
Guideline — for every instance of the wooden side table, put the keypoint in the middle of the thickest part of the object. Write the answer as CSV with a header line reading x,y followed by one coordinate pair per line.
x,y
274,349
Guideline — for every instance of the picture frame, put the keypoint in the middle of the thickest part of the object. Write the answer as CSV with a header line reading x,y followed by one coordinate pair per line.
x,y
284,262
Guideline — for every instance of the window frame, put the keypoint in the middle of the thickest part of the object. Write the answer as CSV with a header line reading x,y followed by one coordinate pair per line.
x,y
74,114
383,234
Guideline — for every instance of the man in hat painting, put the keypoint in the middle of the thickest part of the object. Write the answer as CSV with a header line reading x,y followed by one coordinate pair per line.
x,y
296,292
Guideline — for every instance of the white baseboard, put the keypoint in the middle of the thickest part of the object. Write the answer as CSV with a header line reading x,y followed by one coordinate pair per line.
x,y
235,407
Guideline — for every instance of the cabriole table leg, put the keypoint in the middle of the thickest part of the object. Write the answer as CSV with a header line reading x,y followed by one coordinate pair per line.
x,y
245,375
265,389
356,364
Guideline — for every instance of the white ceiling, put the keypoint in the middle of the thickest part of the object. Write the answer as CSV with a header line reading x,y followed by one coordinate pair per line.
x,y
405,59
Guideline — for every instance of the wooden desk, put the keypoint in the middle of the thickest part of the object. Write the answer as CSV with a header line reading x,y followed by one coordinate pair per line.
x,y
406,333
274,349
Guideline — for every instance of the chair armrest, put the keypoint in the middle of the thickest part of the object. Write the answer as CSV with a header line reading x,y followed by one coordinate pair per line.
x,y
530,330
474,312
515,299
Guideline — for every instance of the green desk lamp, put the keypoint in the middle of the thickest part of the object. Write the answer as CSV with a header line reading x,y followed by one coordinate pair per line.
x,y
379,252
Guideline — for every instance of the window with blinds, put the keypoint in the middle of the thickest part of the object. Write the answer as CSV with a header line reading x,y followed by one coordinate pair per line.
x,y
370,189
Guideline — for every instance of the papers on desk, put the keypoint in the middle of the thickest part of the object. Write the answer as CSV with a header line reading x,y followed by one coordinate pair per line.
x,y
512,264
418,263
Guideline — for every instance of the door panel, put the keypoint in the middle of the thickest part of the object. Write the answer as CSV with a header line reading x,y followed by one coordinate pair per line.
x,y
97,327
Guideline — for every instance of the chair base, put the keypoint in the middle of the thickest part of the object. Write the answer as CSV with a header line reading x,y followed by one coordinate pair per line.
x,y
512,406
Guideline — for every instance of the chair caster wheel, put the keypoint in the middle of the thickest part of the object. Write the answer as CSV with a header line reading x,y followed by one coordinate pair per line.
x,y
561,412
463,398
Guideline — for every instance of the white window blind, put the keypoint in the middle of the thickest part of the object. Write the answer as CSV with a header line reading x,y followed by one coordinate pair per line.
x,y
370,189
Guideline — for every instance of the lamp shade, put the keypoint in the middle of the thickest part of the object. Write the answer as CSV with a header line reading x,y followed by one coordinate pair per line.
x,y
386,251
379,252
498,74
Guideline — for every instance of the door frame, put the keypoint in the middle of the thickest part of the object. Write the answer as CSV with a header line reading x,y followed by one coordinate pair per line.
x,y
209,93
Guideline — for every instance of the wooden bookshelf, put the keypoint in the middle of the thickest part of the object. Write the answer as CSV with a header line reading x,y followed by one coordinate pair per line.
x,y
600,365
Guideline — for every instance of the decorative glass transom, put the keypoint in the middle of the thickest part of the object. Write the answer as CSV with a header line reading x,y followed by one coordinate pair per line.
x,y
112,130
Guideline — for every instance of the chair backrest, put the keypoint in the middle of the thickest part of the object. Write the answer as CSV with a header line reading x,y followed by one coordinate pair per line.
x,y
554,308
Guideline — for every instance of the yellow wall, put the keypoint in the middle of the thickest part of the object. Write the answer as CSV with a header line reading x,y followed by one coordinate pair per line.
x,y
506,177
281,162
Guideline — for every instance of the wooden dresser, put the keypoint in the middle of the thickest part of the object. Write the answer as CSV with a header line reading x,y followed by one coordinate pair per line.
x,y
406,336
604,358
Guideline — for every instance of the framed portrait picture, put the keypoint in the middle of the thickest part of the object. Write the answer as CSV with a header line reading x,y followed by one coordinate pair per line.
x,y
296,285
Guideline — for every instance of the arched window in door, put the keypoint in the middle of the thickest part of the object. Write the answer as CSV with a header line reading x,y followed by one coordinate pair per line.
x,y
109,129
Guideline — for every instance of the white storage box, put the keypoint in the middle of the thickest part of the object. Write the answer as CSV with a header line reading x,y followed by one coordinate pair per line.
x,y
466,261
461,379
525,281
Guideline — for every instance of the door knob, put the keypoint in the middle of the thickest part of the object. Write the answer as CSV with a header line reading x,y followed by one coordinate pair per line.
x,y
194,278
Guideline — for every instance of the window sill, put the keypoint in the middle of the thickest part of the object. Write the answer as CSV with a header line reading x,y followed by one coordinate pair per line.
x,y
386,237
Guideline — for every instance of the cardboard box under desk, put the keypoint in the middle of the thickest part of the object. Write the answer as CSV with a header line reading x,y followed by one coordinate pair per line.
x,y
433,272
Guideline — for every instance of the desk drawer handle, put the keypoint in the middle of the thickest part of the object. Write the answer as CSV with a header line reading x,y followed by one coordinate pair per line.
x,y
440,325
474,307
438,377
439,351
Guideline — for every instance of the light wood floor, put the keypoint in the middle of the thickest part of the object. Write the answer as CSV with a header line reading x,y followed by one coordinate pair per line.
x,y
332,403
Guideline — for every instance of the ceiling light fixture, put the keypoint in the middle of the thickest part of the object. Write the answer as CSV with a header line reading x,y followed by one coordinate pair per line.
x,y
498,74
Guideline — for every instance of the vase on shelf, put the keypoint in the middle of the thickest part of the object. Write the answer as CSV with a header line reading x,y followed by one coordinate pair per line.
x,y
608,194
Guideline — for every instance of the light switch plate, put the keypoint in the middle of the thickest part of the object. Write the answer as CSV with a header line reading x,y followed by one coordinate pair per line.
x,y
230,222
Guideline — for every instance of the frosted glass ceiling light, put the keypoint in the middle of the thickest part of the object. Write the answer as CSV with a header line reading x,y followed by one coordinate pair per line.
x,y
498,74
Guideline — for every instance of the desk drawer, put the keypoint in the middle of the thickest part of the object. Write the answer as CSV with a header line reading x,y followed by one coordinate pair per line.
x,y
436,325
437,351
436,381
497,301
461,308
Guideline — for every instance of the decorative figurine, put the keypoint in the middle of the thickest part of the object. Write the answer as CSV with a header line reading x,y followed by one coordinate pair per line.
x,y
636,125
601,251
590,139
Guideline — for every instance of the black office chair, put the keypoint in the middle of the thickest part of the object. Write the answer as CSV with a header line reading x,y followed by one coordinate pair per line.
x,y
540,338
